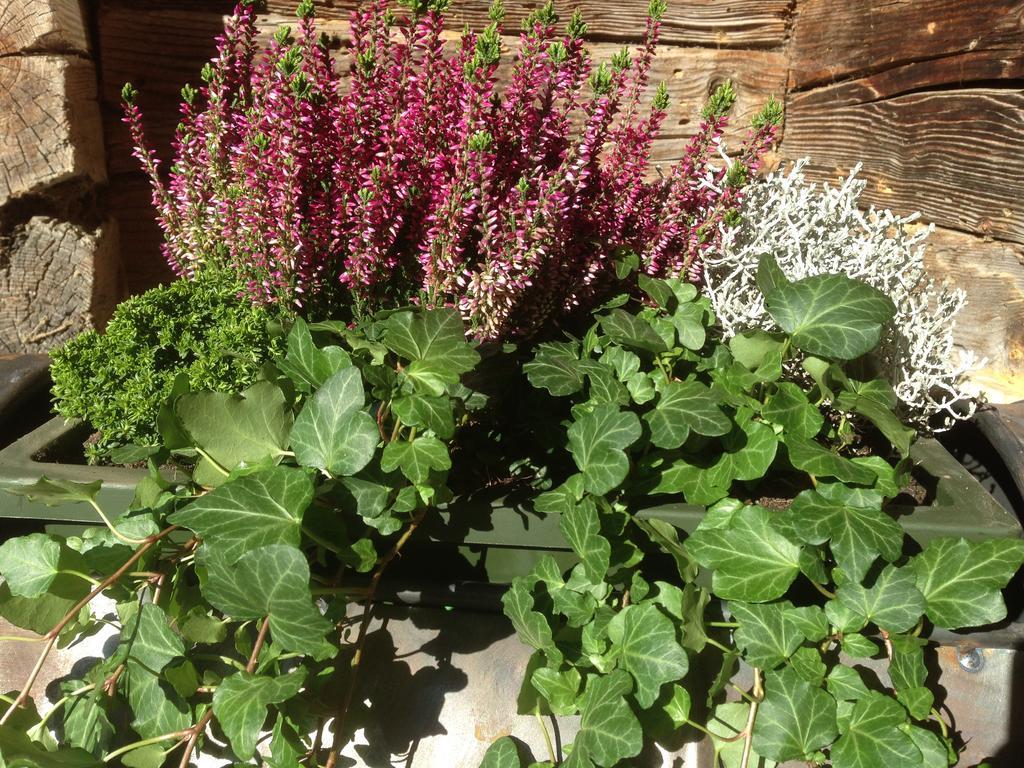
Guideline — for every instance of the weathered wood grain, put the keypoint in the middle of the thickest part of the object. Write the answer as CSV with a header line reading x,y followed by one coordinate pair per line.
x,y
129,204
954,153
992,274
833,40
56,280
739,23
49,123
42,26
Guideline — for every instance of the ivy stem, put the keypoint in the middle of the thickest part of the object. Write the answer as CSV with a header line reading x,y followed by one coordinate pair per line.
x,y
51,636
82,576
145,743
216,464
61,703
113,530
942,723
20,639
741,692
723,624
364,625
702,729
748,738
547,736
394,432
200,727
827,593
718,645
320,540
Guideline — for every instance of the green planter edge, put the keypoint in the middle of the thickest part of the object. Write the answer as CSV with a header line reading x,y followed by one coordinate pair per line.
x,y
512,533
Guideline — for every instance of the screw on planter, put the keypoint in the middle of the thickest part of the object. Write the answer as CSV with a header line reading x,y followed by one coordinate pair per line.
x,y
970,659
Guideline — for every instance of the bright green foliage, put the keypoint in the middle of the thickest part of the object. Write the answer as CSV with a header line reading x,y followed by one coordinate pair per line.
x,y
240,705
117,380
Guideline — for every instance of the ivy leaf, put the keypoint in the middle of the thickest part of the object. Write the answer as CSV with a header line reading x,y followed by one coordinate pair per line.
x,y
846,684
893,603
826,315
918,701
332,433
29,564
795,720
433,413
752,561
749,449
874,736
559,688
149,640
582,529
789,407
577,606
436,337
532,627
307,365
644,641
502,754
876,408
17,750
682,406
907,668
815,459
556,368
240,705
42,613
598,441
270,581
934,752
726,724
809,620
609,731
858,535
416,459
756,348
858,646
156,707
54,491
251,511
631,331
807,663
767,633
962,580
237,429
86,724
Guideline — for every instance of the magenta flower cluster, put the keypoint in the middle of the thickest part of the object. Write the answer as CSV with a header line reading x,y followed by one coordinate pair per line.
x,y
420,178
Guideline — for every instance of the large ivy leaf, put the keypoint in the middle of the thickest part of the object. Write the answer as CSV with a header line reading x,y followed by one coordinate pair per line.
x,y
846,684
893,603
644,642
433,413
149,640
240,705
237,429
436,337
767,633
815,459
826,315
156,707
961,580
598,441
502,754
332,433
747,451
685,406
416,459
631,331
250,511
270,581
874,737
29,564
582,529
86,724
858,535
795,720
789,407
752,561
609,731
306,364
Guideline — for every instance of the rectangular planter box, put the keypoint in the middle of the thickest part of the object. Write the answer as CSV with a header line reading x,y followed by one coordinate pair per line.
x,y
505,538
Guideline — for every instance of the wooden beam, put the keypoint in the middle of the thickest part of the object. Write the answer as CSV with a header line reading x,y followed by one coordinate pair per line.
x,y
42,26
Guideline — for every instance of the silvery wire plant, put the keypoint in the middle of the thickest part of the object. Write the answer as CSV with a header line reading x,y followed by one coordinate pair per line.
x,y
812,229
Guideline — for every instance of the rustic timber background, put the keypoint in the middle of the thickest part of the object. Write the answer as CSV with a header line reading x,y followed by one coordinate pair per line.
x,y
928,94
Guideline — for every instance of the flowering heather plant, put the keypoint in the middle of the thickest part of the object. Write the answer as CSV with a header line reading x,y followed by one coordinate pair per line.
x,y
420,179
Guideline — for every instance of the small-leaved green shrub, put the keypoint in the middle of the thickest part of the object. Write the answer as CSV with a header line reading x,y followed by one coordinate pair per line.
x,y
201,329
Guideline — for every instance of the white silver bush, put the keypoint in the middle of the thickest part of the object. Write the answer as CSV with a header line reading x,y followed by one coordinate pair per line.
x,y
812,229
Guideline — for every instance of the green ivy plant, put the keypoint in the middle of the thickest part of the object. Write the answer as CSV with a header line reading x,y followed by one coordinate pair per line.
x,y
659,408
232,578
269,517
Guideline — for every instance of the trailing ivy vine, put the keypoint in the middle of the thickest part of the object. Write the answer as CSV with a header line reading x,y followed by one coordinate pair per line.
x,y
244,574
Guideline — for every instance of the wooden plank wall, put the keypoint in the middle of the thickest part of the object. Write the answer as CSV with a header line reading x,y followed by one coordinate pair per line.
x,y
928,94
